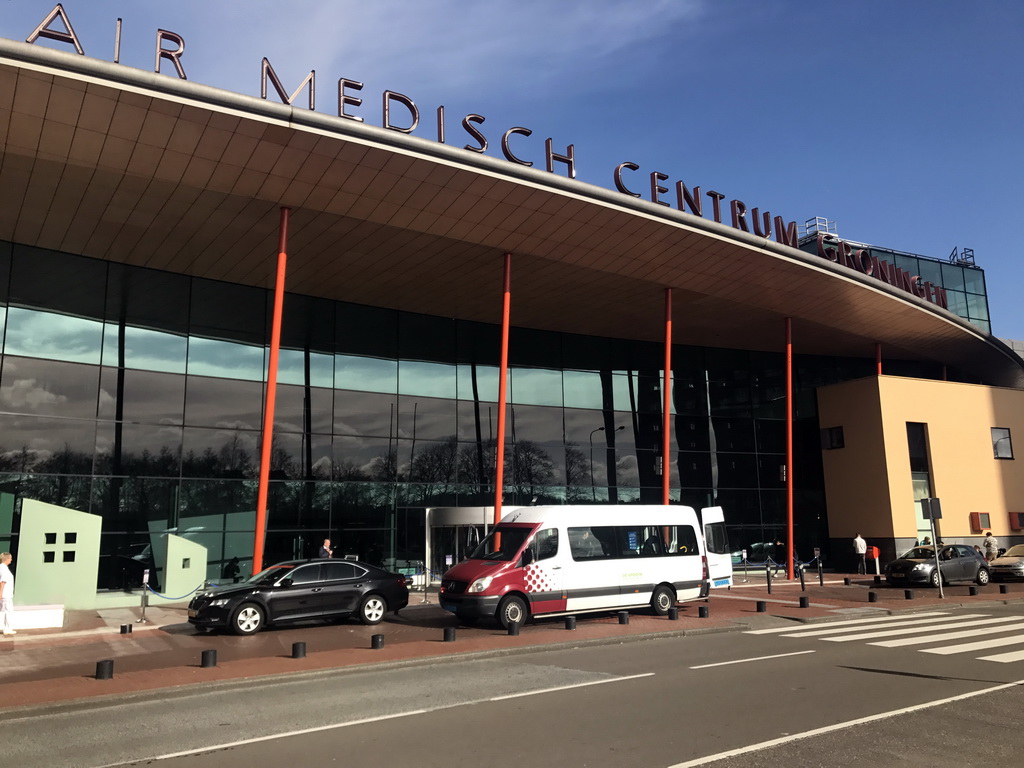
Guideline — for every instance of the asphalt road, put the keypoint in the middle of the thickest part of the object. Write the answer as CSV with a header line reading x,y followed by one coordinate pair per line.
x,y
827,694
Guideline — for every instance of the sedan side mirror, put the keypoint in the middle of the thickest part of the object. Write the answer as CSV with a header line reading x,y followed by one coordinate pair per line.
x,y
286,582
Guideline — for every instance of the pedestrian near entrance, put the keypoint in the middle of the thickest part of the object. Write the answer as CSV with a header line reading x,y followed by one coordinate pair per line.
x,y
325,549
6,594
860,547
991,546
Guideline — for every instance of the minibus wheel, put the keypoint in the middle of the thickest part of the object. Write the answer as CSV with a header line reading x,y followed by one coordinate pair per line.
x,y
511,610
662,600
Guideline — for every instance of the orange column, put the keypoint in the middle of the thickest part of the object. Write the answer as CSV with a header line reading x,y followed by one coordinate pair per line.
x,y
267,437
878,358
789,448
666,408
499,455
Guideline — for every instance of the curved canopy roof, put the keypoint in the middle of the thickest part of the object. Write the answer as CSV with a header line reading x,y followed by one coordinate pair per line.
x,y
116,163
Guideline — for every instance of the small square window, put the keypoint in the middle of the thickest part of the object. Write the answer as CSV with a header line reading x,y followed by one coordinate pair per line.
x,y
51,538
1002,446
48,557
69,556
186,563
832,438
71,538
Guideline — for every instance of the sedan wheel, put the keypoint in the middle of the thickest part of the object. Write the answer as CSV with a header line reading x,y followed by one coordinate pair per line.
x,y
983,577
372,609
935,578
247,620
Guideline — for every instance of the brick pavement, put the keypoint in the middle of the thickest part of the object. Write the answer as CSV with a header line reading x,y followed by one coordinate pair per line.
x,y
39,667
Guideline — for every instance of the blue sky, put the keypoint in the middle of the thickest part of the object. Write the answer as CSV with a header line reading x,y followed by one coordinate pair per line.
x,y
901,121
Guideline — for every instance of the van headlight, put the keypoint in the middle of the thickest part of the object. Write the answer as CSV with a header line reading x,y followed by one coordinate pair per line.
x,y
481,584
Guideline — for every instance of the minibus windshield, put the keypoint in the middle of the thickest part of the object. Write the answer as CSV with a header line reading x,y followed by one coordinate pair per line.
x,y
501,544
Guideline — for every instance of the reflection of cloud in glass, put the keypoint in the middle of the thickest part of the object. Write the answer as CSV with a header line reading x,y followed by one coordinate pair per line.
x,y
145,349
368,374
536,386
291,368
34,333
25,394
225,359
426,379
486,383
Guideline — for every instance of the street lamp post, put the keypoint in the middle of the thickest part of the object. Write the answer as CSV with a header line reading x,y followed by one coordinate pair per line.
x,y
593,492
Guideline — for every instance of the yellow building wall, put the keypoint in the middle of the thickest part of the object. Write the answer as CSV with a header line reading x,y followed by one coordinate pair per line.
x,y
868,483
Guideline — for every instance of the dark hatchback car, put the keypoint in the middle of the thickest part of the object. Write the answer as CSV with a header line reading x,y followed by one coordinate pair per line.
x,y
957,562
301,590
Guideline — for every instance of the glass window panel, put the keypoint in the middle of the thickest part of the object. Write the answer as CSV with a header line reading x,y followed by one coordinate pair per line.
x,y
48,387
291,368
694,469
426,379
737,470
580,424
689,395
3,324
425,418
145,349
648,465
486,389
974,280
290,409
5,269
426,337
366,458
536,386
366,330
40,444
34,333
146,450
692,434
433,465
155,398
729,398
148,298
930,271
222,453
223,403
226,359
977,307
365,413
369,374
771,435
582,389
771,471
983,325
54,280
229,311
541,425
906,263
637,392
953,277
530,465
469,414
957,303
733,434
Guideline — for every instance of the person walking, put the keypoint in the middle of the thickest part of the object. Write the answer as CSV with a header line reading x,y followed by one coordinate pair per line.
x,y
991,546
860,547
6,594
325,549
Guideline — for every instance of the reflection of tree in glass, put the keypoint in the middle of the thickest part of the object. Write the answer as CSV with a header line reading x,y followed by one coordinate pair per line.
x,y
577,473
532,468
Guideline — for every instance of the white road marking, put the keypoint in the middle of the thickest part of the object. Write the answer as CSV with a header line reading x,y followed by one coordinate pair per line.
x,y
866,627
838,727
769,600
570,687
981,645
744,661
1003,658
911,630
954,636
846,623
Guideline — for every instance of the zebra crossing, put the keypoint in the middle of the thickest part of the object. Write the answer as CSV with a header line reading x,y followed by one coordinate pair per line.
x,y
936,628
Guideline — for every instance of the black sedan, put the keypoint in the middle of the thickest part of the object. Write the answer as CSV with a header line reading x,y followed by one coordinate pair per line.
x,y
957,562
301,590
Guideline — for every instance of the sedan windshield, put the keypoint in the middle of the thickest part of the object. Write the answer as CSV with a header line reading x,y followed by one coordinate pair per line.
x,y
269,575
1015,551
919,553
501,544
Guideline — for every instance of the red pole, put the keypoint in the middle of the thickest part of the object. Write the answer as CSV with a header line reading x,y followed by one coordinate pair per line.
x,y
499,469
666,387
878,358
268,412
789,447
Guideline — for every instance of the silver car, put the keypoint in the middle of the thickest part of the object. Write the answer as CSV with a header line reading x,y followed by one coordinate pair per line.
x,y
1009,565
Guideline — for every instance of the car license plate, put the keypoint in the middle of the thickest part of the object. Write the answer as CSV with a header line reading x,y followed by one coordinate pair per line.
x,y
192,613
897,576
450,607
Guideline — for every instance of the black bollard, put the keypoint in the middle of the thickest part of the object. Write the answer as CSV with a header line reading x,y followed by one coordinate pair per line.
x,y
570,622
377,642
762,606
768,577
872,597
298,650
703,612
972,591
623,617
209,659
805,602
673,614
449,634
105,669
513,630
126,629
846,580
1004,588
803,587
878,579
908,594
821,574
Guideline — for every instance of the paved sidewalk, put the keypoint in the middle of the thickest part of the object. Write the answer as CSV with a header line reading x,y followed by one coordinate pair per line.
x,y
40,667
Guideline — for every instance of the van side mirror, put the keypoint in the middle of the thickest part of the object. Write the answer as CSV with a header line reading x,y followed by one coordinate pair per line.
x,y
527,556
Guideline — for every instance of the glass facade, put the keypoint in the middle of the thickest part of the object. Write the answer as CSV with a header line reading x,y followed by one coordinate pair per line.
x,y
138,395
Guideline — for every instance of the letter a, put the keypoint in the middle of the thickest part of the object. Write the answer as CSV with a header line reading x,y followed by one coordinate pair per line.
x,y
43,30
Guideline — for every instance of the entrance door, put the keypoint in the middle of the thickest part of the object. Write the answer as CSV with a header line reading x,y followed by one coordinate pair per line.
x,y
450,544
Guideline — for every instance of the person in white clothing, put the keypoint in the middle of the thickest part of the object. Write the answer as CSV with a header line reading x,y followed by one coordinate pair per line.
x,y
860,547
6,594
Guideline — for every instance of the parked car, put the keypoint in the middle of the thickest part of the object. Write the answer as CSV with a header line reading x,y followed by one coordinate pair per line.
x,y
957,562
301,590
1009,564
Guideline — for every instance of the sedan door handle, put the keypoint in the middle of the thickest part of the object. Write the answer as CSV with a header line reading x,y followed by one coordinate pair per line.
x,y
318,589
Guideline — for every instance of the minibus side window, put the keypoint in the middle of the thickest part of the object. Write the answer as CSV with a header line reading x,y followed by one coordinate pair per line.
x,y
682,540
653,544
584,543
545,544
